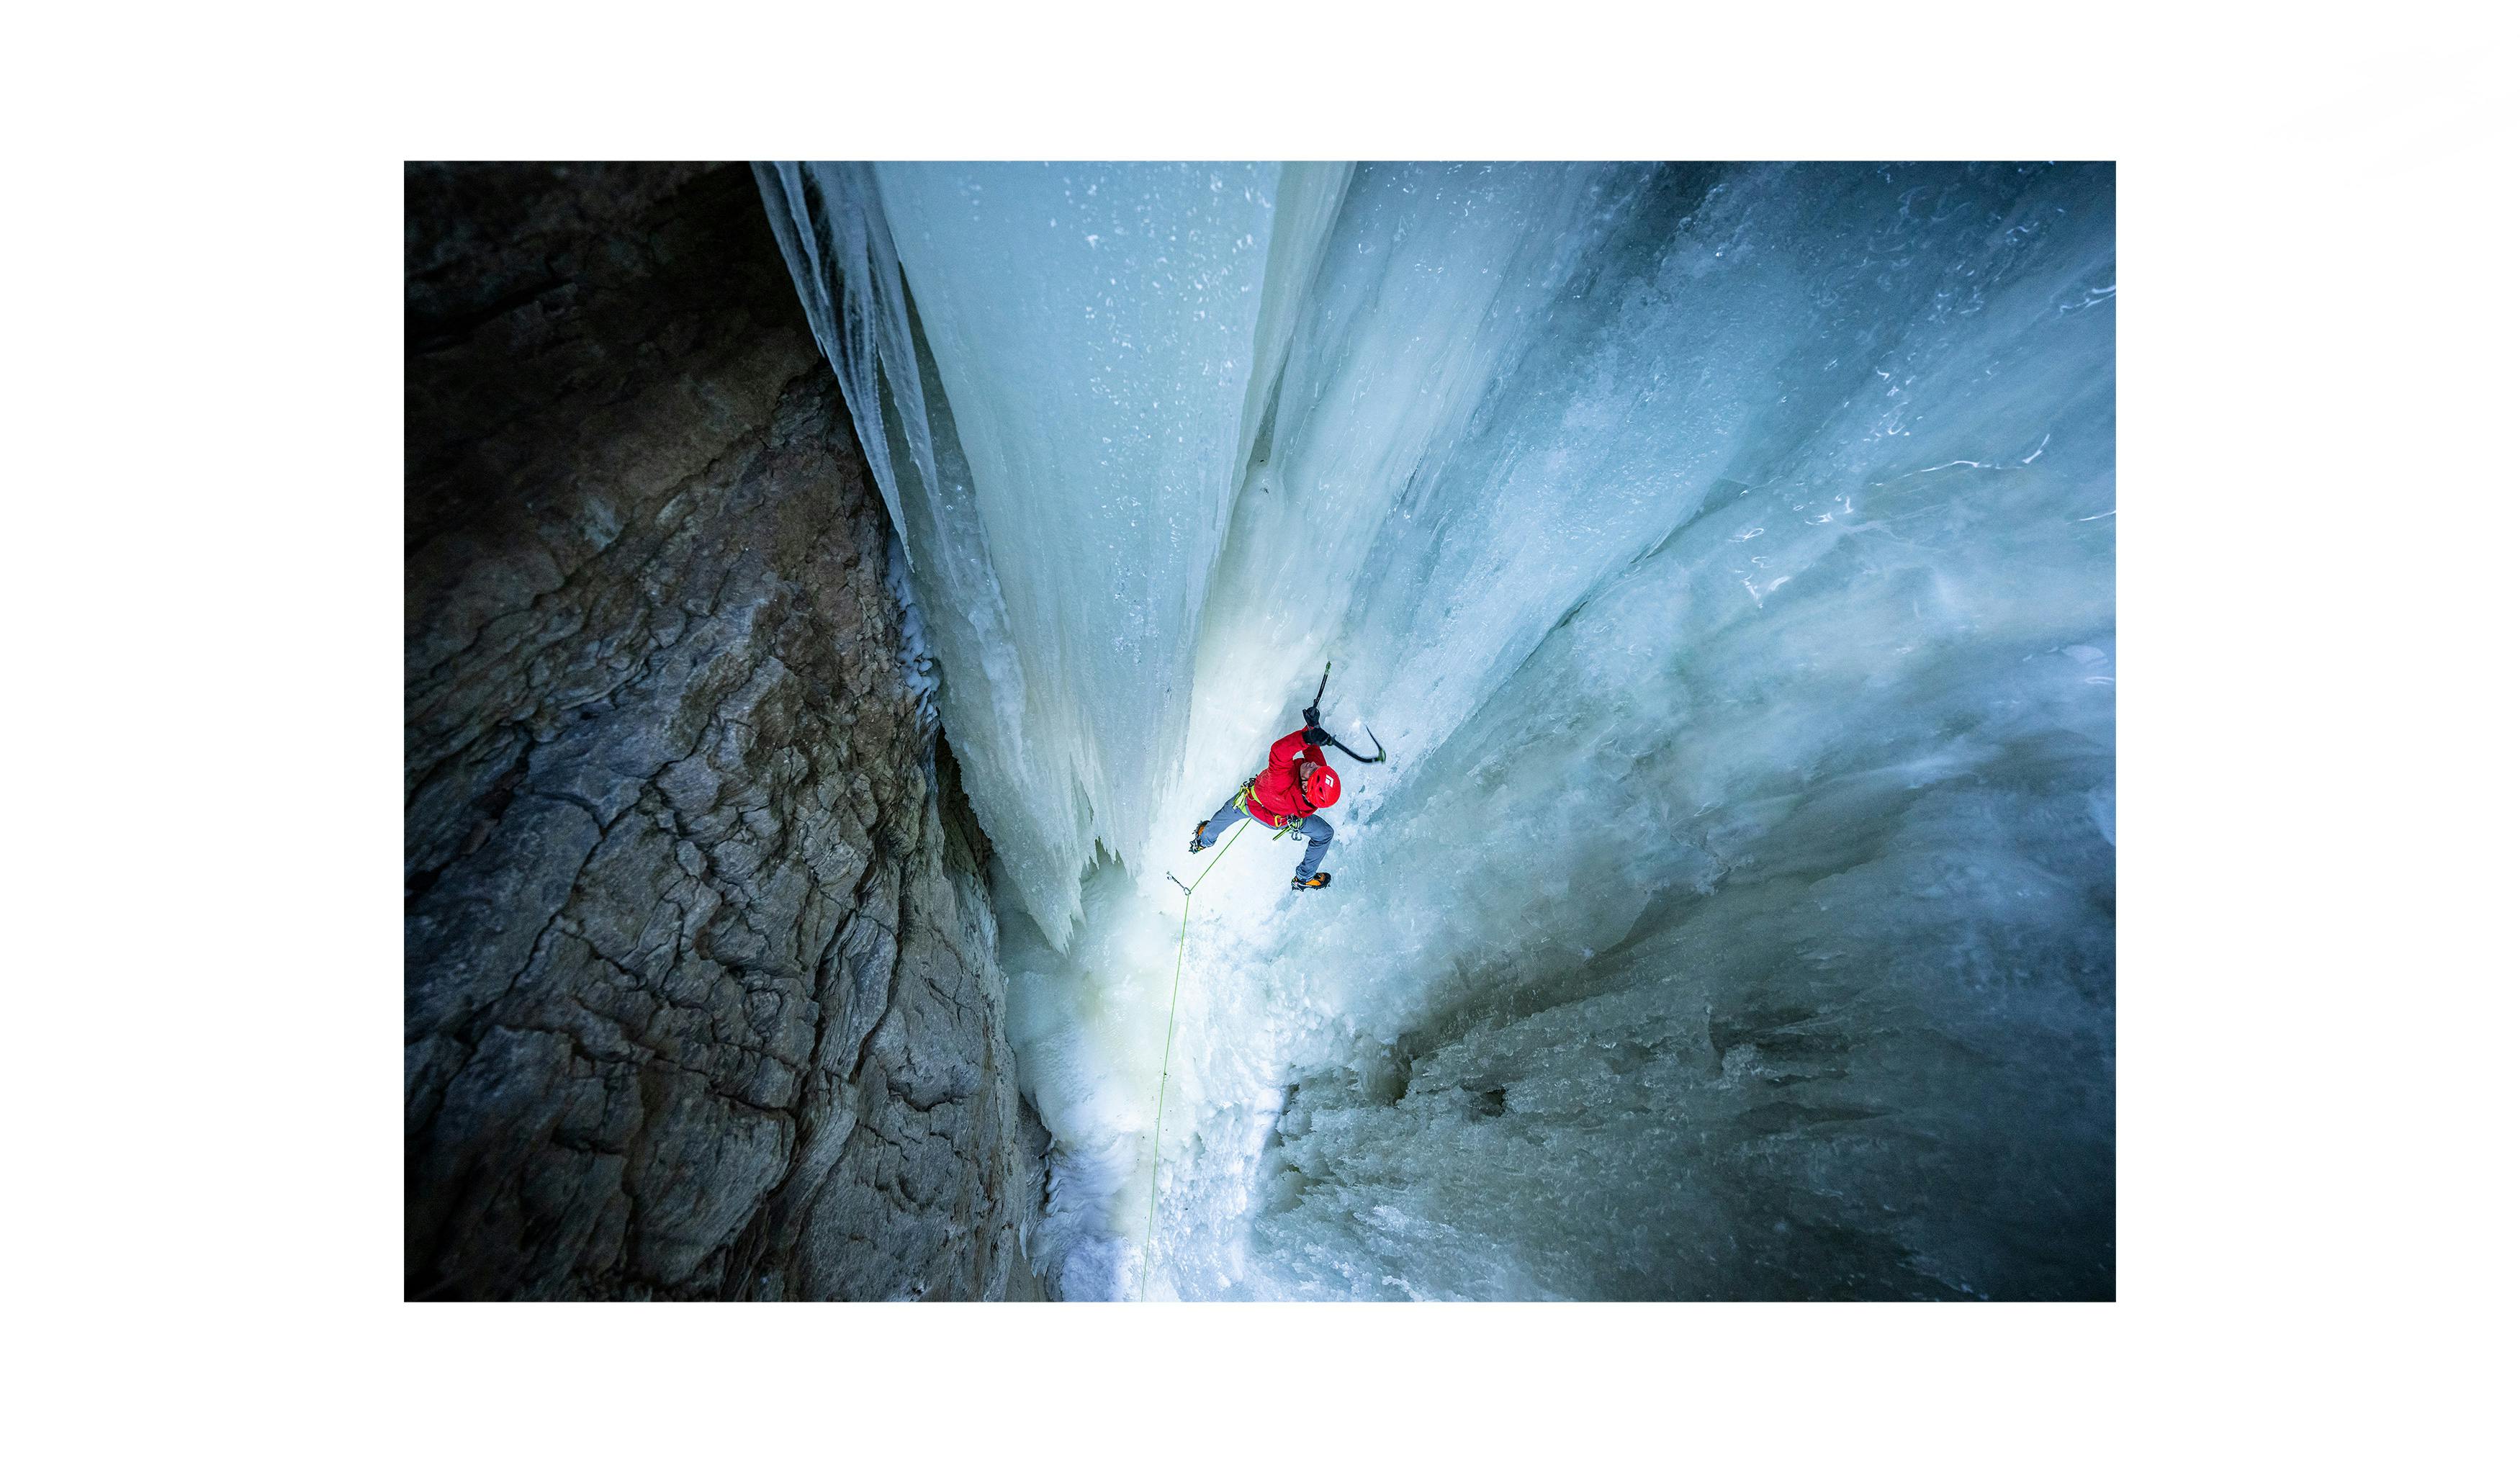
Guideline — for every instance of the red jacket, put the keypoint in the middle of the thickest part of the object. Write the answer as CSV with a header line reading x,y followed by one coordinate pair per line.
x,y
1277,796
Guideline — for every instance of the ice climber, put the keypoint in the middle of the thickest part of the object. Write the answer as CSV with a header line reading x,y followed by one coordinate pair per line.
x,y
1290,793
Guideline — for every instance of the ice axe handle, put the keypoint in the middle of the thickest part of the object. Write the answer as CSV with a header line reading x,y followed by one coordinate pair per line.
x,y
1380,754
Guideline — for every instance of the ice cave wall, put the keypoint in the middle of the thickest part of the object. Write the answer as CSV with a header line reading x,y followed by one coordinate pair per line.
x,y
1726,555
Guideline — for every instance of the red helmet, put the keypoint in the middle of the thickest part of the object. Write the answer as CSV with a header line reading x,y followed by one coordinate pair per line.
x,y
1321,785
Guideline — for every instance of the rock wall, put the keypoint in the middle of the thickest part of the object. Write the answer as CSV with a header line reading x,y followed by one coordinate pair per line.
x,y
701,988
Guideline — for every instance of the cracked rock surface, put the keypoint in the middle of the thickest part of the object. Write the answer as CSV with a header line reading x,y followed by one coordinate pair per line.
x,y
700,973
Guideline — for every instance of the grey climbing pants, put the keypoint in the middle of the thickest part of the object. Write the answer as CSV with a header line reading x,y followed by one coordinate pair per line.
x,y
1315,828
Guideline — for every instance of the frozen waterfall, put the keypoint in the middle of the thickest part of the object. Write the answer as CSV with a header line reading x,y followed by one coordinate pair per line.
x,y
1724,554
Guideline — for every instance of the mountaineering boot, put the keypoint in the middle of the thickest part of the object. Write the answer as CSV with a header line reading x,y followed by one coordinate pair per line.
x,y
1197,833
1316,881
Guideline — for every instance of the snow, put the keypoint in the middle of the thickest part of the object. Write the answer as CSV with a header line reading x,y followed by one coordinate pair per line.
x,y
1726,556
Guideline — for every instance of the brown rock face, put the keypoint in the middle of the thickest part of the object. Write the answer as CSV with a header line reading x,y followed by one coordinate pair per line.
x,y
701,989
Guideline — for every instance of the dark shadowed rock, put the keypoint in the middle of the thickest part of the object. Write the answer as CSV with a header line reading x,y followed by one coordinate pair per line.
x,y
700,973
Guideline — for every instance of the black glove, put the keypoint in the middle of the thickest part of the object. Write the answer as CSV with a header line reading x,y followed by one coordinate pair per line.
x,y
1312,716
1313,736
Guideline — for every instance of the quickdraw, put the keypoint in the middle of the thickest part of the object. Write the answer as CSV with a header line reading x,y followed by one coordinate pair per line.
x,y
1146,1253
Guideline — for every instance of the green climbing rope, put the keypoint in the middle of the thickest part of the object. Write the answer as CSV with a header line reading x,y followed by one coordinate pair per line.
x,y
1147,1255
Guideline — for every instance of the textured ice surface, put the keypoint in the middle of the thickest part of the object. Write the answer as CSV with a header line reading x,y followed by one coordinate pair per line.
x,y
1725,555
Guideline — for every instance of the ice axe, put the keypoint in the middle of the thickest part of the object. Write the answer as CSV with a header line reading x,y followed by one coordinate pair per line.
x,y
1380,755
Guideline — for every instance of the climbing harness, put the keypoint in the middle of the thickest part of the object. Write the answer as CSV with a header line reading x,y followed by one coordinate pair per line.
x,y
1147,1256
1262,816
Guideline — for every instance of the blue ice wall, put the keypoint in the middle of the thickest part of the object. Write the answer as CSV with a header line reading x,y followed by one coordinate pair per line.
x,y
1725,555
